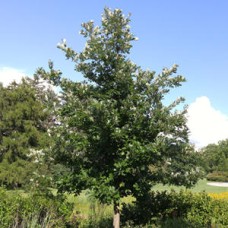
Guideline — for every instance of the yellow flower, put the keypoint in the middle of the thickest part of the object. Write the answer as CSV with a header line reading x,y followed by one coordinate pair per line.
x,y
222,195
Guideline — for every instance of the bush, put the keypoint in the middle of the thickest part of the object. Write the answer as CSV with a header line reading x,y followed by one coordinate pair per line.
x,y
154,207
218,176
34,211
166,208
212,213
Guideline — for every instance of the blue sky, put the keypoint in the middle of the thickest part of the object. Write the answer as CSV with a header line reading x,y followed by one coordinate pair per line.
x,y
193,34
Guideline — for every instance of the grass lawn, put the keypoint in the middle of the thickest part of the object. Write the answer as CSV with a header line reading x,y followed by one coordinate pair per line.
x,y
199,187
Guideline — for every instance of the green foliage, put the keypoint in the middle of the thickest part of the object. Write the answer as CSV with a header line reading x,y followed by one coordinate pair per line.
x,y
34,211
218,176
89,212
97,218
215,161
208,212
171,208
116,136
25,117
215,157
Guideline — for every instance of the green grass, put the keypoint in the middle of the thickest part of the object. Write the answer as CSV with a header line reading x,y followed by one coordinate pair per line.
x,y
199,187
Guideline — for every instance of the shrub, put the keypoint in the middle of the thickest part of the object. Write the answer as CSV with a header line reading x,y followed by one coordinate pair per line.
x,y
24,210
218,176
167,209
157,206
212,213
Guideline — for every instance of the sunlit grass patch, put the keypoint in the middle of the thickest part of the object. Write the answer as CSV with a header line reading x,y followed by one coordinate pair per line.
x,y
200,186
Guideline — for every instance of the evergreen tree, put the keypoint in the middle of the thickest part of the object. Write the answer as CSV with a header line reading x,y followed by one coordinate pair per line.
x,y
25,117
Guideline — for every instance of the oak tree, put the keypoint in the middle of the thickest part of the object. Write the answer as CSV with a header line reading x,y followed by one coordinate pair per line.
x,y
116,135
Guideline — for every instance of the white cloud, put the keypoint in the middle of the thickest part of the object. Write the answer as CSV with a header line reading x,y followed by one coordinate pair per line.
x,y
207,125
8,74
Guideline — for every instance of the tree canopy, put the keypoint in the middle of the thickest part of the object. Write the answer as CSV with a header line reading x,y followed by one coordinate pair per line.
x,y
25,116
215,156
116,135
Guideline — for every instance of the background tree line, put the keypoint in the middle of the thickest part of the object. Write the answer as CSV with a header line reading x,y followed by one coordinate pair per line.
x,y
215,161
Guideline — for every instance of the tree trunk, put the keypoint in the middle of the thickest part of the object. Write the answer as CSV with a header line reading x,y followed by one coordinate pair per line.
x,y
116,217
